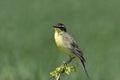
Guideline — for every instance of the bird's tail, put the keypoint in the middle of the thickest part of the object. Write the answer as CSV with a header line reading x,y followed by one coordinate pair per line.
x,y
83,64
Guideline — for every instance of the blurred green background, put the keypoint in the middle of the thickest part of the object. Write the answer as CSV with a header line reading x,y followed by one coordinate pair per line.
x,y
27,47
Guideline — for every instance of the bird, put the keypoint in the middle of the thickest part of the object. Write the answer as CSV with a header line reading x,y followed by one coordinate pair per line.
x,y
66,43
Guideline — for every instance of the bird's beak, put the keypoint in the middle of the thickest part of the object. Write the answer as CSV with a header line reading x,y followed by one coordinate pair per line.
x,y
54,26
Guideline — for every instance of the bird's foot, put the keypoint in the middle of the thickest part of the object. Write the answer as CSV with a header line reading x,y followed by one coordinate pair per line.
x,y
65,62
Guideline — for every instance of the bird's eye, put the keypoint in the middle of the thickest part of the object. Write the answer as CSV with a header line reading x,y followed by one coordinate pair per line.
x,y
60,25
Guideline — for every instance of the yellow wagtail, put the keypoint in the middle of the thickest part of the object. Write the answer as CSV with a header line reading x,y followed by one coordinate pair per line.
x,y
68,45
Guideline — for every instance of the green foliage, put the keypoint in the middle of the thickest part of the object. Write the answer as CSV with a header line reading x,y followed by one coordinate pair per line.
x,y
62,69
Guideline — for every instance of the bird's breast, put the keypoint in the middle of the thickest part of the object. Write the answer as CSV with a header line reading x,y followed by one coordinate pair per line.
x,y
58,39
61,41
63,44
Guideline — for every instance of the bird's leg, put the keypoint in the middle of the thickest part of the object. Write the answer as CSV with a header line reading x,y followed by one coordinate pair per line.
x,y
67,62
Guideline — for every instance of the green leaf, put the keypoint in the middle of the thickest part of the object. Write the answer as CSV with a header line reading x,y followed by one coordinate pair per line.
x,y
62,69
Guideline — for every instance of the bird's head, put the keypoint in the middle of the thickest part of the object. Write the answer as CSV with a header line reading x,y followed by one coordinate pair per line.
x,y
60,27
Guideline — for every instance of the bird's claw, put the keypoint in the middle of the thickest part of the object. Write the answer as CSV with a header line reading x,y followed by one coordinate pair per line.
x,y
65,63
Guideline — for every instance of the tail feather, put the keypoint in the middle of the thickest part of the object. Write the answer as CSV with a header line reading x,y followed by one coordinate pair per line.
x,y
83,64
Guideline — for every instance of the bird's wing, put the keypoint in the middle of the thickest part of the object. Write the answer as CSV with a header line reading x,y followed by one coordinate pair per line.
x,y
74,47
75,50
79,53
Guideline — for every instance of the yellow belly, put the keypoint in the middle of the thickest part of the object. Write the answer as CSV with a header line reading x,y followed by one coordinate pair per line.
x,y
63,45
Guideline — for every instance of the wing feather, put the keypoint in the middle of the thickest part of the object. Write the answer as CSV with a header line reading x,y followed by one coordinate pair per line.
x,y
73,47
